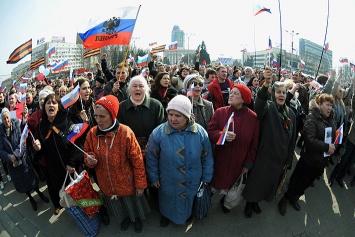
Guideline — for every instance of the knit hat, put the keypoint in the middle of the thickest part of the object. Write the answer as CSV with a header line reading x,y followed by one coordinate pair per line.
x,y
188,79
245,92
3,111
100,79
111,104
45,92
181,104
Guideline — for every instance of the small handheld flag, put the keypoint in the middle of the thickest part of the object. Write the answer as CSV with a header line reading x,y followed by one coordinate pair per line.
x,y
191,91
222,138
339,135
24,135
70,98
76,131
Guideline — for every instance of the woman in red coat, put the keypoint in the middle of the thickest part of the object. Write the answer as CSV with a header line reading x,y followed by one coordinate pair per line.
x,y
237,155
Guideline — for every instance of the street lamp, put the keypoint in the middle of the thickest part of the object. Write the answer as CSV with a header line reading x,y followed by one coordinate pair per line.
x,y
292,33
188,35
134,41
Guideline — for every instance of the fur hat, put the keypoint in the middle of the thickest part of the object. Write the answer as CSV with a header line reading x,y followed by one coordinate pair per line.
x,y
45,92
100,79
245,92
111,104
181,104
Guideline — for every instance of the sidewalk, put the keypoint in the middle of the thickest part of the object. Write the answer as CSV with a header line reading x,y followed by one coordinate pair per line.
x,y
324,211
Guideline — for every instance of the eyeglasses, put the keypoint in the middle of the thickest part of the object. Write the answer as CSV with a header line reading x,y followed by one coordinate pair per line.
x,y
200,84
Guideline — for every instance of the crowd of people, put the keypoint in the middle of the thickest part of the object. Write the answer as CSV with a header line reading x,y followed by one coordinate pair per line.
x,y
153,133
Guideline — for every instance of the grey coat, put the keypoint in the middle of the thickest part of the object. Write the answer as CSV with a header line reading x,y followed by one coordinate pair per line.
x,y
276,148
203,111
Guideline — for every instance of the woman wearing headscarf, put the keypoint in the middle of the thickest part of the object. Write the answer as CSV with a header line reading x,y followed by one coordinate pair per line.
x,y
238,156
202,109
60,155
316,152
23,176
276,143
179,157
113,150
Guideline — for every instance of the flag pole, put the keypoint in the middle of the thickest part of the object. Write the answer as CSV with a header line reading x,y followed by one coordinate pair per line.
x,y
80,149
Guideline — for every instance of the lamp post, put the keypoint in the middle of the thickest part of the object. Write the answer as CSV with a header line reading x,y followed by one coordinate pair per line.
x,y
188,35
292,33
134,42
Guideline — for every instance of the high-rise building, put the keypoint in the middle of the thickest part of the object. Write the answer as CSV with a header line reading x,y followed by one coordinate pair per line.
x,y
310,53
178,35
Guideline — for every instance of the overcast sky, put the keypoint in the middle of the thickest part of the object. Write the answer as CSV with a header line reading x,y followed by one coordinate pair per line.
x,y
225,26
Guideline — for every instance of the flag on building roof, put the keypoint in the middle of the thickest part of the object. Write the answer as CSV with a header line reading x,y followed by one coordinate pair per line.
x,y
50,51
339,135
352,66
158,49
244,50
34,65
302,63
274,63
152,44
61,65
222,138
91,52
117,30
343,60
173,45
20,52
76,130
270,45
142,61
70,98
259,9
326,47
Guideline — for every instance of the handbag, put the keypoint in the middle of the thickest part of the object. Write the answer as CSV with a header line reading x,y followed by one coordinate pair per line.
x,y
88,226
66,200
202,201
234,195
83,193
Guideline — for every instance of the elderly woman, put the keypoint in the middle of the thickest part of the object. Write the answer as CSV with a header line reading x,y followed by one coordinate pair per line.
x,y
140,112
179,157
60,155
113,150
313,159
162,89
16,160
202,109
276,142
238,156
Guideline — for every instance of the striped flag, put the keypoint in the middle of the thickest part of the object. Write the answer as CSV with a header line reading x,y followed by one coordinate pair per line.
x,y
61,65
91,52
191,91
24,135
326,47
152,44
339,135
70,98
4,90
343,60
50,51
76,131
158,49
34,65
259,9
352,66
22,88
20,52
222,138
144,72
173,45
302,63
14,84
244,50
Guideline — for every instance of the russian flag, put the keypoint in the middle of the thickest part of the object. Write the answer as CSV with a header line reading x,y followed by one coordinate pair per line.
x,y
259,9
70,98
22,88
76,131
144,72
52,64
270,45
302,64
222,138
181,57
352,66
316,85
142,61
50,51
192,90
116,30
23,98
152,44
244,50
274,63
71,76
326,47
61,65
4,90
25,79
173,45
14,84
343,60
24,135
339,135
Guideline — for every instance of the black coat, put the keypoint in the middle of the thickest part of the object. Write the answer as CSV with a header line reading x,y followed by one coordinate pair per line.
x,y
313,132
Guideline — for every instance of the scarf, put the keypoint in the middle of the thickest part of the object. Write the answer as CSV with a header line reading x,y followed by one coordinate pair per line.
x,y
283,116
162,91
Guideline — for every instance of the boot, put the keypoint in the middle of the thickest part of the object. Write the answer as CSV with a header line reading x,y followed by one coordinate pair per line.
x,y
295,204
248,210
282,205
256,208
43,197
